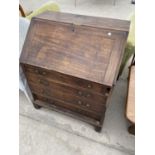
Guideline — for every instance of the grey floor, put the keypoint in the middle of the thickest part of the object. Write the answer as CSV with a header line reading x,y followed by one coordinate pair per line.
x,y
45,132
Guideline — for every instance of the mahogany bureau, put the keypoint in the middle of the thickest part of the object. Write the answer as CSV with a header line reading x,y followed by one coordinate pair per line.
x,y
71,63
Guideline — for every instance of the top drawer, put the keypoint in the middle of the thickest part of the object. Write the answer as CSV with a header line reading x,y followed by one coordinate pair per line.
x,y
68,80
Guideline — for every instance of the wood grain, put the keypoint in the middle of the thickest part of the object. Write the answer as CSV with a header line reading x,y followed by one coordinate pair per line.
x,y
83,94
57,47
99,22
64,79
68,106
71,63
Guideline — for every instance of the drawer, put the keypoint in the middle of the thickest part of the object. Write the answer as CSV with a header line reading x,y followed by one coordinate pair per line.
x,y
66,97
68,80
83,94
68,106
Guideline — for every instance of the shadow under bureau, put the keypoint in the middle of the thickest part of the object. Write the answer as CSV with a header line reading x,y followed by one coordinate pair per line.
x,y
71,63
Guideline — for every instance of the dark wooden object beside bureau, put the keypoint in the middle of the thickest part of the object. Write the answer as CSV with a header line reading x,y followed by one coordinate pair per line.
x,y
71,63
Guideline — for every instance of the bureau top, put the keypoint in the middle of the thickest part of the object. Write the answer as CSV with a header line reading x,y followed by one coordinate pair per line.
x,y
99,22
86,47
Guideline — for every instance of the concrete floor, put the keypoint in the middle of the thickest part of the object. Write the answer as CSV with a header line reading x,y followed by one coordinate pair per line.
x,y
46,128
45,132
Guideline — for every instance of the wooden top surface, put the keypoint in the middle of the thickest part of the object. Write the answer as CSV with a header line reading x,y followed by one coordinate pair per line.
x,y
131,96
99,22
80,46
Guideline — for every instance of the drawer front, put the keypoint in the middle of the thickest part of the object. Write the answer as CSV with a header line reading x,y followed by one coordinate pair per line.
x,y
66,97
83,94
69,80
68,106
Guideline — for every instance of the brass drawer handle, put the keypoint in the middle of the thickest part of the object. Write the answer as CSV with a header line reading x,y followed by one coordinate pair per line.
x,y
79,102
84,95
88,95
43,73
44,82
80,93
36,71
40,72
87,105
89,86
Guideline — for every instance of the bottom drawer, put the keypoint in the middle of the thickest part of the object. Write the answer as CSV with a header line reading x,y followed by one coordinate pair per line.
x,y
69,107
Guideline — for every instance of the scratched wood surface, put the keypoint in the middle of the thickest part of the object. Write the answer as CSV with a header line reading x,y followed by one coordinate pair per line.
x,y
56,86
78,50
71,63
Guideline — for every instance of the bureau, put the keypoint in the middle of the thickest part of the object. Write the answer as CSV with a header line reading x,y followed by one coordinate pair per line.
x,y
71,63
